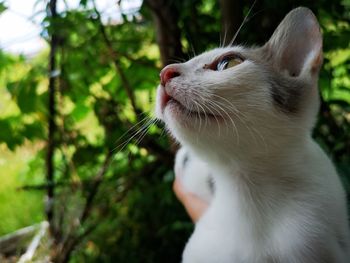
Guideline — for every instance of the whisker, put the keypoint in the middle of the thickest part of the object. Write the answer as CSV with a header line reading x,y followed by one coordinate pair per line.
x,y
214,114
230,118
201,97
232,109
177,60
163,132
205,113
225,35
199,115
144,133
242,24
251,130
123,145
193,50
136,125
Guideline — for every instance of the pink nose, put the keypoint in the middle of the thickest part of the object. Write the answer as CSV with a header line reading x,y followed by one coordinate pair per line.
x,y
168,73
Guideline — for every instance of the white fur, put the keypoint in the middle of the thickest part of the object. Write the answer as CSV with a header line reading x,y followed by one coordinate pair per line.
x,y
277,195
199,182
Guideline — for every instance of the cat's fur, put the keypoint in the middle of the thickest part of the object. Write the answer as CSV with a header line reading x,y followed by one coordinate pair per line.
x,y
277,196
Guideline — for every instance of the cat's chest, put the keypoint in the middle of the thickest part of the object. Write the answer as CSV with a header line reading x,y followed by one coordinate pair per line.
x,y
234,229
230,237
215,242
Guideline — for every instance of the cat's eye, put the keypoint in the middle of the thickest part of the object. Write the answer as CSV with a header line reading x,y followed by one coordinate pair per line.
x,y
228,62
225,61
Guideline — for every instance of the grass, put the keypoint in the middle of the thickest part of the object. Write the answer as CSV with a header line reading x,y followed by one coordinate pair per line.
x,y
18,208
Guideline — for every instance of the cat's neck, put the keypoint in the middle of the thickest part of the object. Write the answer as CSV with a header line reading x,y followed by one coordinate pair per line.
x,y
271,174
270,156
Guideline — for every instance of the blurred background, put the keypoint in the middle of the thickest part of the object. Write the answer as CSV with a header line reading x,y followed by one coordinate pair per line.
x,y
78,146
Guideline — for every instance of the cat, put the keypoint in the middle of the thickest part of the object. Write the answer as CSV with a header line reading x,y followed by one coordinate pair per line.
x,y
244,117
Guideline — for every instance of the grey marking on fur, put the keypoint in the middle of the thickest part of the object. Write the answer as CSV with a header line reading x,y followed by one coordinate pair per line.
x,y
286,90
211,183
342,242
286,93
185,160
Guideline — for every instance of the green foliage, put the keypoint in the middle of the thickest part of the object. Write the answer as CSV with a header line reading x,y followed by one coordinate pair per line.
x,y
150,227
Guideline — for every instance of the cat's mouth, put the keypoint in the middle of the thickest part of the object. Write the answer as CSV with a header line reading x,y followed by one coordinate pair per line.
x,y
179,108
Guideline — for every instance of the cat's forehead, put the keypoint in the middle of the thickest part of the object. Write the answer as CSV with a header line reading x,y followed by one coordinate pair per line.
x,y
209,56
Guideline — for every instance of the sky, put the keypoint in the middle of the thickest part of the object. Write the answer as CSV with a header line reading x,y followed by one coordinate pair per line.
x,y
20,23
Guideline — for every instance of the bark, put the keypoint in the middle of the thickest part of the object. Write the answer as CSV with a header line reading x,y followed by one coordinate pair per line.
x,y
231,19
51,118
166,18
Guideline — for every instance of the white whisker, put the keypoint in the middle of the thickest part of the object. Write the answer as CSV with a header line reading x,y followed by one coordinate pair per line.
x,y
242,24
124,144
136,125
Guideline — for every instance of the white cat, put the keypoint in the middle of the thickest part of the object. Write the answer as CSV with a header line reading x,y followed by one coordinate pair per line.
x,y
244,117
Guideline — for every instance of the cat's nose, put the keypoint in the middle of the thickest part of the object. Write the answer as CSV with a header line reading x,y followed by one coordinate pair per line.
x,y
168,73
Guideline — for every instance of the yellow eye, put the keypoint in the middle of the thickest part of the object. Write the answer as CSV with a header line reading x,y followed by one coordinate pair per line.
x,y
228,62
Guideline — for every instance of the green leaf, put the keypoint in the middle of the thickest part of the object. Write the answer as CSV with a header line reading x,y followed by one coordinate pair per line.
x,y
8,133
83,155
24,92
5,131
83,3
80,111
34,131
2,7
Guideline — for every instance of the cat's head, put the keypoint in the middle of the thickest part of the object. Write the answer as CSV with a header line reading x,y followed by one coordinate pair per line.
x,y
238,97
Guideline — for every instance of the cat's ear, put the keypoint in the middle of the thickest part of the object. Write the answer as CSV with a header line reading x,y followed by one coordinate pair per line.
x,y
296,44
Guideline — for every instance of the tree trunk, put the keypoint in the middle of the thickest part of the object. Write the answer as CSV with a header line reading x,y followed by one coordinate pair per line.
x,y
231,19
166,18
51,117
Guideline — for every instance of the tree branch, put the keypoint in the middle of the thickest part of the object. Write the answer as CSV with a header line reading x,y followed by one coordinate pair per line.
x,y
75,240
120,72
94,189
72,239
